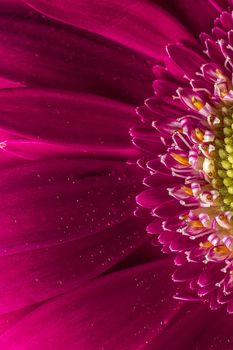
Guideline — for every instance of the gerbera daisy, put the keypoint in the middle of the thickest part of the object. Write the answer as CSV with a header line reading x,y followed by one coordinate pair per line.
x,y
193,179
72,73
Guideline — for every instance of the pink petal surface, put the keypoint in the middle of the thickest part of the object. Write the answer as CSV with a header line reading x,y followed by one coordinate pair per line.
x,y
67,196
152,198
7,320
197,16
188,59
7,84
34,52
128,310
84,124
127,22
64,222
57,200
13,6
197,327
57,269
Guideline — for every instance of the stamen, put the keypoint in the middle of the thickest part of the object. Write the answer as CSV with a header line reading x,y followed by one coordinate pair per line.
x,y
199,135
196,223
197,103
221,249
180,159
205,244
187,190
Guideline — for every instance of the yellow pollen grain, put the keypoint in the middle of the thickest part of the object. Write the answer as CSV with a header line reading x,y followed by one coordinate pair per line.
x,y
229,148
226,164
230,158
199,135
187,190
227,131
180,159
228,140
196,223
230,173
228,181
197,103
227,121
206,244
221,249
228,200
222,153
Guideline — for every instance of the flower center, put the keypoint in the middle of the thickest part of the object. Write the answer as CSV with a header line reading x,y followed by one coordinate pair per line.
x,y
202,155
195,126
223,161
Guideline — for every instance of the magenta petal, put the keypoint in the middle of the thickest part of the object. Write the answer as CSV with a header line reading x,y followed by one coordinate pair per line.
x,y
181,243
64,222
94,125
192,17
214,52
9,84
226,20
196,327
159,179
219,33
50,202
7,320
187,272
153,197
13,7
152,147
120,21
155,227
186,58
36,275
165,237
167,107
169,206
17,151
135,312
45,54
156,166
164,87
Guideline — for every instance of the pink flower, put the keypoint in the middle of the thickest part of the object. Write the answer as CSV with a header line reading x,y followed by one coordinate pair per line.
x,y
192,115
78,270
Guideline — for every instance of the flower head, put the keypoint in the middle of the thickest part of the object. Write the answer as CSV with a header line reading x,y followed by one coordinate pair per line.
x,y
78,270
191,183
